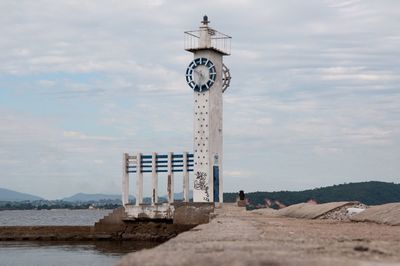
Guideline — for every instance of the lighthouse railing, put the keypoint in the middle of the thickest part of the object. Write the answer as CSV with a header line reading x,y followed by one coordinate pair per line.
x,y
219,41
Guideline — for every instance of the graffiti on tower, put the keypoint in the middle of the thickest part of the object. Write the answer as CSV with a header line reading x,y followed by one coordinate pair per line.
x,y
200,183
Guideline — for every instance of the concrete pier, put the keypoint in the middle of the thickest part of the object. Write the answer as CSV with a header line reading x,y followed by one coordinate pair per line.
x,y
237,237
111,227
140,231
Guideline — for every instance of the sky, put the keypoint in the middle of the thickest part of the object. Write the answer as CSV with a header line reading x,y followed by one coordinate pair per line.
x,y
314,98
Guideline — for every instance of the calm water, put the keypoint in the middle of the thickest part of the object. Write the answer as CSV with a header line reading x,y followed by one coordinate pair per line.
x,y
51,217
39,253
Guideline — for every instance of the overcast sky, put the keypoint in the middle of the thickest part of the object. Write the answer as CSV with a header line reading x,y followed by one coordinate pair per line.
x,y
314,98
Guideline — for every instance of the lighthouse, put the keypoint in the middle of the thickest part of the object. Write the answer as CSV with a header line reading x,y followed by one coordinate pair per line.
x,y
208,77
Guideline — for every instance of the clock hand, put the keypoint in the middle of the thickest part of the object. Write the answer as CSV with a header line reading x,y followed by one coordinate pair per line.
x,y
199,74
203,77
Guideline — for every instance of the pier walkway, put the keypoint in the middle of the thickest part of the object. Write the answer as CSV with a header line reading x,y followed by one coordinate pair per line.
x,y
239,237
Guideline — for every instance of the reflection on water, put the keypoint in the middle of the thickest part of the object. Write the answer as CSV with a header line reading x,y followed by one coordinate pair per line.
x,y
17,253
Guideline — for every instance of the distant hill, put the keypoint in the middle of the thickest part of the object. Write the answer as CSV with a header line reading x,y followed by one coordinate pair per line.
x,y
179,195
11,195
370,193
83,197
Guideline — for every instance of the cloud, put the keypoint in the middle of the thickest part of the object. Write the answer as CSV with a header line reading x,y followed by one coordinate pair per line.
x,y
357,74
80,136
314,97
33,149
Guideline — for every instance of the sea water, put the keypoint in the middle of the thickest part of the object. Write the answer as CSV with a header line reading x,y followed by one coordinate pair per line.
x,y
40,253
37,253
51,217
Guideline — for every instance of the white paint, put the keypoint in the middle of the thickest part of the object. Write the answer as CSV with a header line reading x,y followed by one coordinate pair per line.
x,y
207,125
154,179
162,211
185,178
139,180
205,38
170,181
125,179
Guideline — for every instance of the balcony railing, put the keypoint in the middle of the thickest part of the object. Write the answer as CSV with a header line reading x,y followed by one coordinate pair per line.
x,y
219,41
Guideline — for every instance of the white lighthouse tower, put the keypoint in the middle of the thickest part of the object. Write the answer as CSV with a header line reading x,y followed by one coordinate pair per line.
x,y
209,78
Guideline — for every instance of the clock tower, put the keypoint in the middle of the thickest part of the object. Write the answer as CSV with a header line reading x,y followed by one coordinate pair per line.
x,y
209,78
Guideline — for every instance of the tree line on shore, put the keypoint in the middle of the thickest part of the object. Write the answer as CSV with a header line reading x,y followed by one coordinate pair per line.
x,y
58,204
370,193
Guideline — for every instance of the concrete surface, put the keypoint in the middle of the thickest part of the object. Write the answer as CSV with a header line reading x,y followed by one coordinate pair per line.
x,y
110,227
112,222
141,231
193,213
145,211
383,214
312,211
236,237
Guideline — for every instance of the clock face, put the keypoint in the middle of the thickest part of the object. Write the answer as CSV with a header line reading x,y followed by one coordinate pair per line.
x,y
201,74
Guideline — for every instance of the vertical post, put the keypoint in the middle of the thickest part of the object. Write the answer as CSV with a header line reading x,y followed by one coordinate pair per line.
x,y
125,179
139,180
154,183
216,183
185,178
221,189
170,185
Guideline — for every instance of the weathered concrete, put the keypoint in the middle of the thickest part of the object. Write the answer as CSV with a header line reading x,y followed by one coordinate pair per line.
x,y
193,213
137,231
383,214
266,211
144,211
112,222
312,211
114,226
45,233
152,231
237,237
208,121
184,213
241,203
